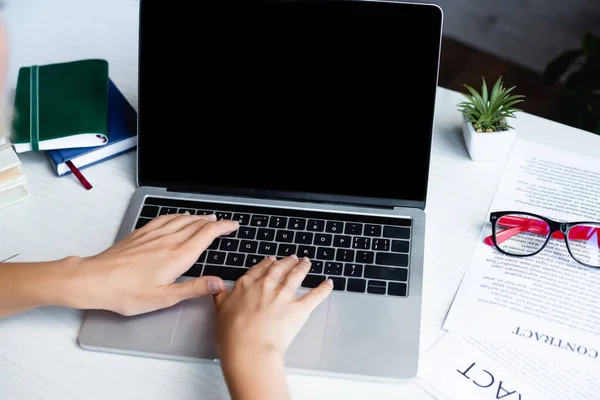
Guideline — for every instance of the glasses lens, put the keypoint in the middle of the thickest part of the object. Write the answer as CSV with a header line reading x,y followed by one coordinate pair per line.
x,y
584,243
521,234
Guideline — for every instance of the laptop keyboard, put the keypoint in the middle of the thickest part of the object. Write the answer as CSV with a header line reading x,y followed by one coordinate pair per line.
x,y
360,254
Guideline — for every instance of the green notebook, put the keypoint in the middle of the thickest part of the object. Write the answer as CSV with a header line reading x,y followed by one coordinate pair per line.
x,y
59,106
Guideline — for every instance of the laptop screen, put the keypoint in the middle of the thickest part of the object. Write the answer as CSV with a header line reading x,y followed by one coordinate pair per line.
x,y
317,99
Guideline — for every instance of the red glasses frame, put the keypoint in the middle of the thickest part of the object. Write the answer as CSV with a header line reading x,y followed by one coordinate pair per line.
x,y
542,226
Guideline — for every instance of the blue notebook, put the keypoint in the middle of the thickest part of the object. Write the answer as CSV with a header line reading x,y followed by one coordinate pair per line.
x,y
122,138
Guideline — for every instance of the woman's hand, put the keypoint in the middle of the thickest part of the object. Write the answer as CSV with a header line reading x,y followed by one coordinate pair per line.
x,y
258,320
137,274
134,276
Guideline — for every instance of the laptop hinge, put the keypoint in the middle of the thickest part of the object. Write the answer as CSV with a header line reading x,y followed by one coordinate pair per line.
x,y
300,199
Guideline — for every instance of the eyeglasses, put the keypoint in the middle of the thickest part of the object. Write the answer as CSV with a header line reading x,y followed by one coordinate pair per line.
x,y
523,234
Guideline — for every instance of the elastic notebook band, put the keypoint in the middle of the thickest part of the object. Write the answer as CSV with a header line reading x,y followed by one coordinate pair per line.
x,y
34,107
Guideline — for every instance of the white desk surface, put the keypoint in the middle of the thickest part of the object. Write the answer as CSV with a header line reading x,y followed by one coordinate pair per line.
x,y
39,355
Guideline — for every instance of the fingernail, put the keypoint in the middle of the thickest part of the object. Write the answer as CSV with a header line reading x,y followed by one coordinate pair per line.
x,y
212,217
214,287
295,257
305,259
330,282
272,258
186,213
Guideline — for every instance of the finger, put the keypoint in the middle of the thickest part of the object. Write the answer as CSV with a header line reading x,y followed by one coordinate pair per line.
x,y
205,235
312,299
181,222
157,222
294,278
203,286
258,270
279,269
220,297
187,231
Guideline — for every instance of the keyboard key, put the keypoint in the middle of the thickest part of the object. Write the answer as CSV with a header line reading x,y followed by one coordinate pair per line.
x,y
252,260
398,260
353,270
353,228
195,271
338,283
286,249
323,239
203,212
235,259
226,273
229,244
167,210
387,273
230,235
397,289
372,230
362,243
248,246
278,222
396,232
141,222
246,233
344,255
315,225
312,281
381,244
316,267
365,257
306,251
202,257
334,227
149,211
356,285
376,287
243,219
259,220
285,236
400,246
342,241
297,224
268,248
266,234
215,244
333,268
223,215
325,253
303,238
216,257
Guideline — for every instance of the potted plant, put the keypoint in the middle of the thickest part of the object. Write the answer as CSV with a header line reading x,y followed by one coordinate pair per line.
x,y
486,129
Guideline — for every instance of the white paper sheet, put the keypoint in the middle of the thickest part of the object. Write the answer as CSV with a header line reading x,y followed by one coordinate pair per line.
x,y
547,303
458,368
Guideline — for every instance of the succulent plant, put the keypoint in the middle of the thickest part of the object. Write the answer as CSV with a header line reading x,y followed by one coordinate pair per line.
x,y
488,112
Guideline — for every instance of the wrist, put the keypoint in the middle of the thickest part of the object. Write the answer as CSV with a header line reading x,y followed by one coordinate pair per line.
x,y
255,373
59,283
238,357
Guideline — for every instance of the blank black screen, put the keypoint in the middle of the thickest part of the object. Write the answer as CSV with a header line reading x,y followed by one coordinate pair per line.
x,y
325,97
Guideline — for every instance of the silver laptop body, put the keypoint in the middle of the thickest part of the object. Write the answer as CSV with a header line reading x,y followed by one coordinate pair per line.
x,y
360,335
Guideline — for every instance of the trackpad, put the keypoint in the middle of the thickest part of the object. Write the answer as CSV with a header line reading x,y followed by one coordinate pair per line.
x,y
307,347
194,332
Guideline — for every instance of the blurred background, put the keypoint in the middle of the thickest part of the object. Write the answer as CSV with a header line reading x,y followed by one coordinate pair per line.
x,y
549,49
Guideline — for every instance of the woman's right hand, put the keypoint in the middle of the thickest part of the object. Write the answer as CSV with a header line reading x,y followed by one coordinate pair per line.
x,y
258,320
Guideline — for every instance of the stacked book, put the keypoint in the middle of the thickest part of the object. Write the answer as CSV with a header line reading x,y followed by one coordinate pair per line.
x,y
13,183
74,113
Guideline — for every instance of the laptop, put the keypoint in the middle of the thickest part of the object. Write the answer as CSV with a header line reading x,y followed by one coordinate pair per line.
x,y
310,122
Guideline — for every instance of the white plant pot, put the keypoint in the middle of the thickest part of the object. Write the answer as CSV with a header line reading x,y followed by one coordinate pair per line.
x,y
487,146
